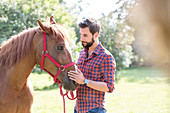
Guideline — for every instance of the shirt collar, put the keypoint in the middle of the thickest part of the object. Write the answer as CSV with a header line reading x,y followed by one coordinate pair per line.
x,y
97,50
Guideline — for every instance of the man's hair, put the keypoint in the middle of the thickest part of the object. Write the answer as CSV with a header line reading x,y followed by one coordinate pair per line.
x,y
94,25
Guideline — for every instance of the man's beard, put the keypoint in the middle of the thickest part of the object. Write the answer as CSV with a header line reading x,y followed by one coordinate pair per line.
x,y
88,44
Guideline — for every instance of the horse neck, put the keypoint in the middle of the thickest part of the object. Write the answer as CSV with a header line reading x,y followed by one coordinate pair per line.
x,y
17,74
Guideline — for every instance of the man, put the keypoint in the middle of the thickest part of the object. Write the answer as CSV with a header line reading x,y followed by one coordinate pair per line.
x,y
96,70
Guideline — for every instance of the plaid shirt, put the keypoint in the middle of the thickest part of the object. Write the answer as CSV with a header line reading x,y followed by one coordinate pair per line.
x,y
100,66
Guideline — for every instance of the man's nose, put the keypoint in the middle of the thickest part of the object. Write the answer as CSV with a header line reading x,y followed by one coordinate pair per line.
x,y
81,38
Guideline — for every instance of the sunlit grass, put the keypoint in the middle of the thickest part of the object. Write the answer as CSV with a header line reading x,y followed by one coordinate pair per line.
x,y
140,90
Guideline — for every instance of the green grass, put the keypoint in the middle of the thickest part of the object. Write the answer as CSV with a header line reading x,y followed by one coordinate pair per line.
x,y
140,90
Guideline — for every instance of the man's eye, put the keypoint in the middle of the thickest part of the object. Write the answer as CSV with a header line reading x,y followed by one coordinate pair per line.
x,y
60,47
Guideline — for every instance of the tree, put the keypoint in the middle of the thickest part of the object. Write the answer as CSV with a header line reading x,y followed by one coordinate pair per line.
x,y
17,15
117,34
117,37
14,19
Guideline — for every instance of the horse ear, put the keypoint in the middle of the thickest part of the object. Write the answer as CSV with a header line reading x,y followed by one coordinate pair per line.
x,y
45,29
52,20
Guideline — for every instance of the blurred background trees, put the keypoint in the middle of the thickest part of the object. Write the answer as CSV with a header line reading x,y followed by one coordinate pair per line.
x,y
17,15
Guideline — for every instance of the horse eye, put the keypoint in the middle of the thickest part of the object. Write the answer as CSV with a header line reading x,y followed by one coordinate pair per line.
x,y
60,47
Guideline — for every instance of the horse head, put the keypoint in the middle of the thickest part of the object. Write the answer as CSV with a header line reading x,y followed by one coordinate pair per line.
x,y
58,49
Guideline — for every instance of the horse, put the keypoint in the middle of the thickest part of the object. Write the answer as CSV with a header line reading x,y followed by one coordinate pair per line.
x,y
19,55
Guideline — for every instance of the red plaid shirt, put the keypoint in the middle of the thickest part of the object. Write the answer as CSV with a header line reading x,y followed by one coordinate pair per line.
x,y
100,66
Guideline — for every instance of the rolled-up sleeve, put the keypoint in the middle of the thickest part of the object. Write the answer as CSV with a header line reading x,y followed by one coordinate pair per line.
x,y
108,69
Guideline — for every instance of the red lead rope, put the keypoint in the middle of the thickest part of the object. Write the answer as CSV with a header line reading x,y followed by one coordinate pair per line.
x,y
66,94
61,68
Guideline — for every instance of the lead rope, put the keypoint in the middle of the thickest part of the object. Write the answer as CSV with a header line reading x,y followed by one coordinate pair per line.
x,y
66,94
61,92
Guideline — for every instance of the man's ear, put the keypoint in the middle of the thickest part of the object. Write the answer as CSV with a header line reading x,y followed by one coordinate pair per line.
x,y
52,20
96,34
45,28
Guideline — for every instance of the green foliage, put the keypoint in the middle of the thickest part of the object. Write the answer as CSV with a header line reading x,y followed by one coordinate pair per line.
x,y
117,37
14,19
18,15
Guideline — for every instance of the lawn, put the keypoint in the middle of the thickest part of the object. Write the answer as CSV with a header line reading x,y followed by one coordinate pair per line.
x,y
140,90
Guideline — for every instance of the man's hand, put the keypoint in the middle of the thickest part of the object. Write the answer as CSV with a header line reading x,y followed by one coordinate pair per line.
x,y
77,76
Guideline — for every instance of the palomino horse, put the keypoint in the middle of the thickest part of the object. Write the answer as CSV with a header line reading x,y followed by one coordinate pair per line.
x,y
20,54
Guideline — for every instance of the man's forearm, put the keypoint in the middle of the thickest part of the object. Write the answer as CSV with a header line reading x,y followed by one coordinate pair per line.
x,y
100,86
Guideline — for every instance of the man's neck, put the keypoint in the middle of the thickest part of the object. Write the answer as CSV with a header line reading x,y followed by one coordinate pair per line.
x,y
93,48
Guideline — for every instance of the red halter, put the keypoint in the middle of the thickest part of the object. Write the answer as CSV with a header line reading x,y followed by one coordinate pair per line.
x,y
61,68
45,54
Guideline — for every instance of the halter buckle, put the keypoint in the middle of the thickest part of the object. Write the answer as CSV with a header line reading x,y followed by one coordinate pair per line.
x,y
62,68
44,52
